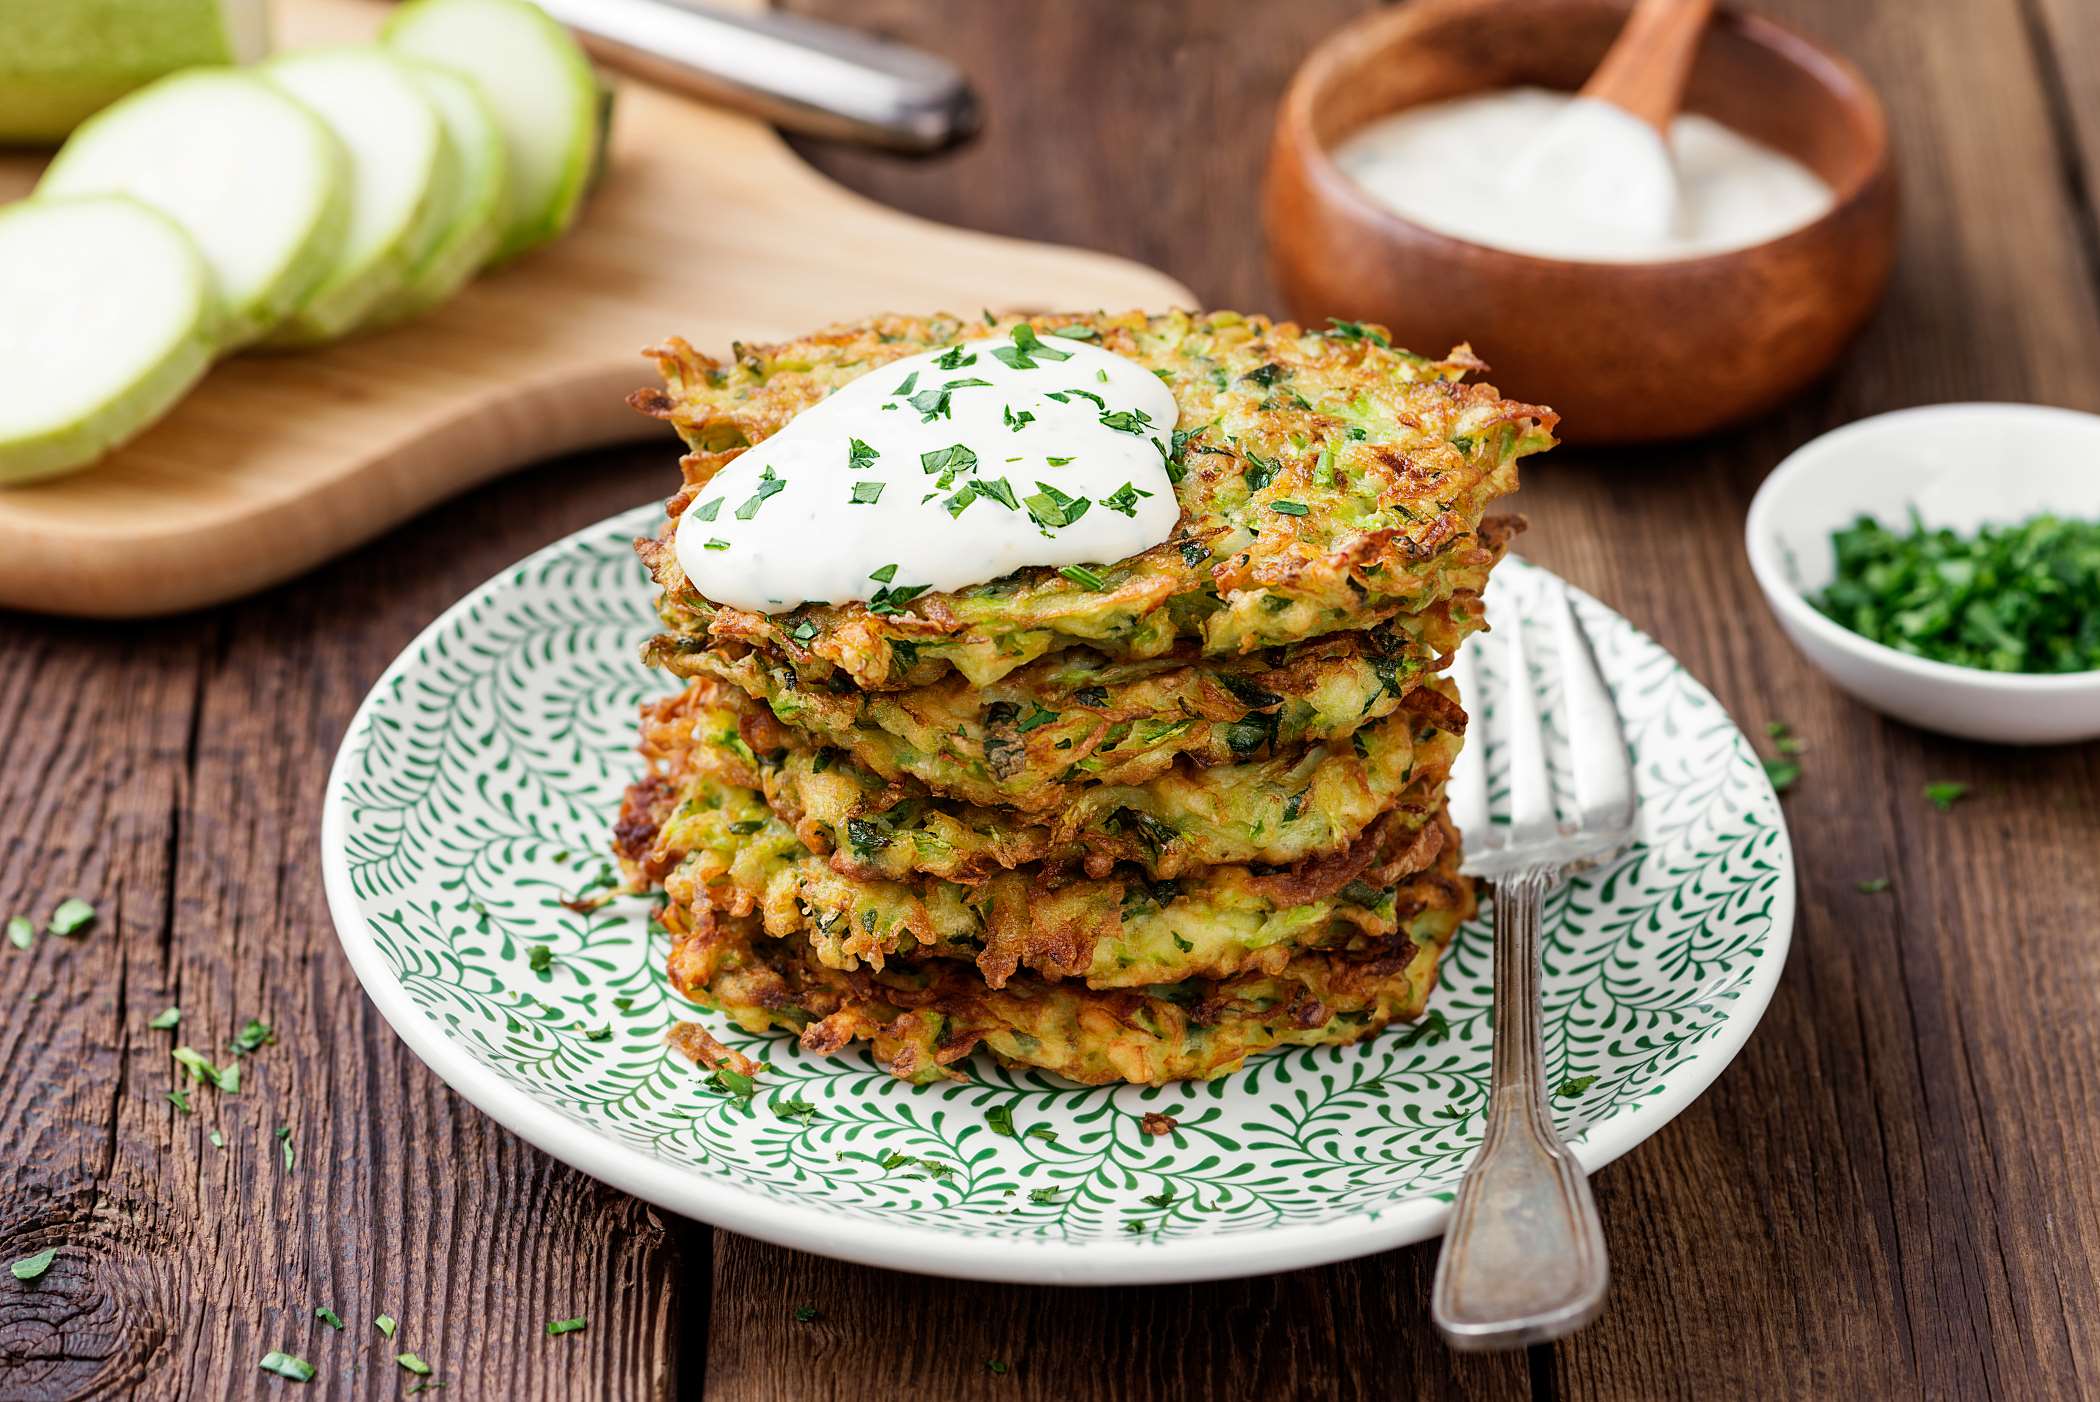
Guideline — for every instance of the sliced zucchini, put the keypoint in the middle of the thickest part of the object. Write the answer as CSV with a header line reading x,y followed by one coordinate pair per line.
x,y
475,201
401,166
252,175
541,87
61,61
106,310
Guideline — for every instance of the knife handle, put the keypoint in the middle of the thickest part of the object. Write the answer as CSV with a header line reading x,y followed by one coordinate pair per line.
x,y
802,74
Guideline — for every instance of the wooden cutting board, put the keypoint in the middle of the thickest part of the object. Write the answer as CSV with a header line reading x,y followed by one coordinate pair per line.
x,y
705,225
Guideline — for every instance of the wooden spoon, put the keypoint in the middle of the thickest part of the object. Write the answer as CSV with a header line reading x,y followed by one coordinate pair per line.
x,y
1606,159
1646,69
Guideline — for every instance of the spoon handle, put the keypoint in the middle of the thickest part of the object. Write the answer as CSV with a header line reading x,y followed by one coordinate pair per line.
x,y
1523,1258
1648,65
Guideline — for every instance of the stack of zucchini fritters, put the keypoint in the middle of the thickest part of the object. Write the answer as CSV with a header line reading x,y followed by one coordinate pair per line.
x,y
1129,832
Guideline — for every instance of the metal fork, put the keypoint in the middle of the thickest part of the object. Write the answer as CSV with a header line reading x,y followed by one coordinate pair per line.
x,y
1523,1258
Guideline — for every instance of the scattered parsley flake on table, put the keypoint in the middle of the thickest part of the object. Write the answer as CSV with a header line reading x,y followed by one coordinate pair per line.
x,y
557,1327
226,1078
1873,886
1943,795
30,1267
20,933
413,1364
1575,1085
385,1325
805,1313
286,1366
328,1316
1782,773
165,1019
72,916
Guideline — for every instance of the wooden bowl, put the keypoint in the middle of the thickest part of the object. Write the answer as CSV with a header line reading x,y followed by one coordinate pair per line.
x,y
1625,351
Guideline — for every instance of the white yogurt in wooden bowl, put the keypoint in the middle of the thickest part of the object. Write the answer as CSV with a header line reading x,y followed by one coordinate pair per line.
x,y
1448,165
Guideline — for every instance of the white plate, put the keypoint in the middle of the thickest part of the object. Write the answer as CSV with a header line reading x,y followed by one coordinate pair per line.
x,y
476,788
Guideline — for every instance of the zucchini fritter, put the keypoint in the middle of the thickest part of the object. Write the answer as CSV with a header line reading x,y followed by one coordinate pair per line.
x,y
721,845
923,1016
716,747
1129,821
1327,482
1060,727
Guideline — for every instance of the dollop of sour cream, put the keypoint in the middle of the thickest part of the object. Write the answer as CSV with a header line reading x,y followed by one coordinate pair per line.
x,y
941,471
1444,165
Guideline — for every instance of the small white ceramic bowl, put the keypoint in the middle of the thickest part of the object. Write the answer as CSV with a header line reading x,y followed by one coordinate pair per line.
x,y
1961,466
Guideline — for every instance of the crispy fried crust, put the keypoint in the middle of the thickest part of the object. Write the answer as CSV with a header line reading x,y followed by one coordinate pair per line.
x,y
720,847
1115,932
1191,898
719,754
1394,461
923,1016
1046,732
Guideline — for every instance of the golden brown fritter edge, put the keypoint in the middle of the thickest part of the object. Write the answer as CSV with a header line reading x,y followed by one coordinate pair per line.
x,y
710,740
1046,733
1394,461
924,1016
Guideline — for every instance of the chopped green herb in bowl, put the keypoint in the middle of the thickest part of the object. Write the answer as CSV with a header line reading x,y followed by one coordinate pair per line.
x,y
2022,598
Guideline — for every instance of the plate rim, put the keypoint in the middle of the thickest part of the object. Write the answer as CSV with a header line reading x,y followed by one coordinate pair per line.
x,y
798,1226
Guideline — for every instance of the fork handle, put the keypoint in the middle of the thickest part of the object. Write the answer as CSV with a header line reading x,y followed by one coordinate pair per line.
x,y
1523,1257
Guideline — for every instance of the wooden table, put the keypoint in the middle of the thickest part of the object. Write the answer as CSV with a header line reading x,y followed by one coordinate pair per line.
x,y
1895,1189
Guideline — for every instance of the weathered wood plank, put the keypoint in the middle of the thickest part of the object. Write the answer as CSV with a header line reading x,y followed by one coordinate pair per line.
x,y
2065,35
1883,1194
93,766
174,774
1141,129
1352,1330
1865,1201
1892,1190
